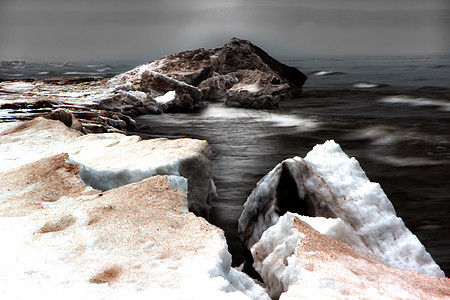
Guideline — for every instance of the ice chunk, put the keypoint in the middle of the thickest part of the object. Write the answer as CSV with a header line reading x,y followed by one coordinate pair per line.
x,y
328,183
111,160
297,262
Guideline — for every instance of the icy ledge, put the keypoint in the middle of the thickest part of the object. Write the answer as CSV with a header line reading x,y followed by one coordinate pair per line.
x,y
112,160
328,183
63,239
298,262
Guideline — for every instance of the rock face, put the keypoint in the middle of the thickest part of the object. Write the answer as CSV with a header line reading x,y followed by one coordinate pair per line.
x,y
62,237
327,183
298,262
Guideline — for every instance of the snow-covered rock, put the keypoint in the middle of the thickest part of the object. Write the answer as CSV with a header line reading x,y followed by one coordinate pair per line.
x,y
64,240
239,73
130,103
26,100
298,262
328,183
111,160
247,89
183,97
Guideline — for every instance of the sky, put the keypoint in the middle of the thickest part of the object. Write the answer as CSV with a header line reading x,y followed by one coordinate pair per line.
x,y
102,30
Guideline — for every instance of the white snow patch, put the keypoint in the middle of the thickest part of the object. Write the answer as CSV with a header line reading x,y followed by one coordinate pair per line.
x,y
252,88
167,97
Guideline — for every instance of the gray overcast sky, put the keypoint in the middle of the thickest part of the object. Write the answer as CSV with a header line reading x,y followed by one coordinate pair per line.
x,y
60,30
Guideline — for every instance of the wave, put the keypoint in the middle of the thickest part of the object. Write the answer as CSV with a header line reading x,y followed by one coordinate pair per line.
x,y
382,135
441,104
410,161
220,111
326,73
365,85
379,135
96,66
16,75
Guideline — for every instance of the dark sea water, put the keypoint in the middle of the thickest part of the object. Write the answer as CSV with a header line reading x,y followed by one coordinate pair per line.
x,y
391,113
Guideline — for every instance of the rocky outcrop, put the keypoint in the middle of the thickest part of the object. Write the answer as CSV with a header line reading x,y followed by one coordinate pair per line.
x,y
246,89
239,73
327,183
131,103
298,262
73,104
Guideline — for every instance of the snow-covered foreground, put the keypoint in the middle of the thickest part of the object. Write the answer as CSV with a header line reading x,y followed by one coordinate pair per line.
x,y
109,216
64,239
298,262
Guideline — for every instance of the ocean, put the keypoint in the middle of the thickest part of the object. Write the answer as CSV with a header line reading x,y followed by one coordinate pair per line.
x,y
391,113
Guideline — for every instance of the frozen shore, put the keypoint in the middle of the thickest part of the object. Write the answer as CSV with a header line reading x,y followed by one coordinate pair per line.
x,y
89,211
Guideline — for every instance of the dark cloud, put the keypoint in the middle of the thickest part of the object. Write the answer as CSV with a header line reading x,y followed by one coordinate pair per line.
x,y
113,29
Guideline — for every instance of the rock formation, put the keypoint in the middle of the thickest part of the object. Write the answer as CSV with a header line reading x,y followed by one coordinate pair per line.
x,y
239,73
27,100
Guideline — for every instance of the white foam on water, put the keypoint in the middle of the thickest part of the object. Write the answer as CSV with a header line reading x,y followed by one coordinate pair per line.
x,y
365,85
220,111
442,105
410,161
323,73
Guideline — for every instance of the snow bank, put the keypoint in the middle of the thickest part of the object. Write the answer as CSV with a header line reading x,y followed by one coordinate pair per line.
x,y
328,183
365,206
111,160
297,262
62,239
